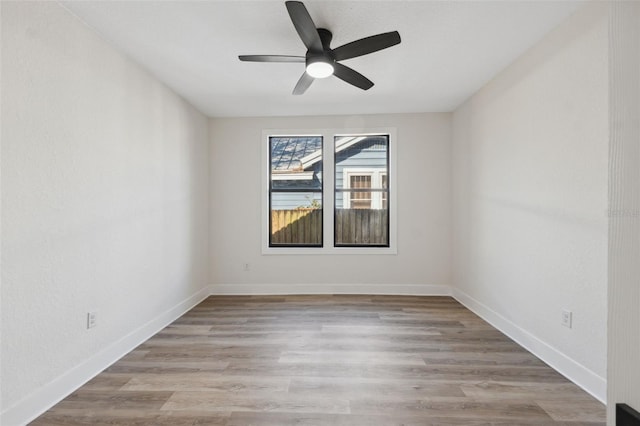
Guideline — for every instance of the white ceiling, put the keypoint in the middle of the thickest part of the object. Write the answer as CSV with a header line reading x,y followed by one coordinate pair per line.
x,y
449,50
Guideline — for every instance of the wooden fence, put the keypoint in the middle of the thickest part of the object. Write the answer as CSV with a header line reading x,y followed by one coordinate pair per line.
x,y
362,226
300,226
352,226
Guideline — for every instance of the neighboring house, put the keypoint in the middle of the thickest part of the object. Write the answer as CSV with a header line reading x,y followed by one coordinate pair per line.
x,y
292,169
361,162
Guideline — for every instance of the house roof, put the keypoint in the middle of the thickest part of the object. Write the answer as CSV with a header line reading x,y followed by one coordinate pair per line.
x,y
341,144
287,153
292,156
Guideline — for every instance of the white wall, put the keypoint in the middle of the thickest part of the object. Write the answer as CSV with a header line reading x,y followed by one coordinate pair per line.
x,y
423,250
624,199
530,198
104,205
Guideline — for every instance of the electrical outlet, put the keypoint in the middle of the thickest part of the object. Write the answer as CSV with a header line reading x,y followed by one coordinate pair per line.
x,y
92,319
246,267
567,318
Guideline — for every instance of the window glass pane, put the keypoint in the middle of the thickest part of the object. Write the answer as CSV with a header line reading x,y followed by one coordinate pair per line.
x,y
296,226
295,191
296,162
361,190
361,227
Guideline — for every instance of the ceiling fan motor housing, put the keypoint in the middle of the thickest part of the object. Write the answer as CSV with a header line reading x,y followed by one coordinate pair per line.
x,y
326,55
321,64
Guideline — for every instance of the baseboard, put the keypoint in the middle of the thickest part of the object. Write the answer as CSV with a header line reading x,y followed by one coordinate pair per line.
x,y
571,369
379,289
38,402
53,392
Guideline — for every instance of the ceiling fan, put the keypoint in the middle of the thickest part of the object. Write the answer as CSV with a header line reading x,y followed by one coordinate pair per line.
x,y
321,60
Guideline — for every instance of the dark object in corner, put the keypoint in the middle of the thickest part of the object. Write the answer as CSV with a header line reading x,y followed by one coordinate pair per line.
x,y
626,416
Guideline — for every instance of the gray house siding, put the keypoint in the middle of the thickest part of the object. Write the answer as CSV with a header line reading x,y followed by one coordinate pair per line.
x,y
293,200
370,154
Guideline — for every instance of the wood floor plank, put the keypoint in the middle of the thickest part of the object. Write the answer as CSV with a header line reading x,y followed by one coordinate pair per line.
x,y
320,419
583,411
482,358
206,382
275,402
63,417
569,393
166,366
452,408
328,360
373,388
127,400
381,330
350,357
107,382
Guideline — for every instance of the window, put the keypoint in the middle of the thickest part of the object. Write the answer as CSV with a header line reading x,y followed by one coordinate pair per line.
x,y
365,180
357,169
356,199
295,191
361,217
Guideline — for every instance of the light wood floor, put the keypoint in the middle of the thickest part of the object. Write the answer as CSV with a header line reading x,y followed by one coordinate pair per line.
x,y
328,360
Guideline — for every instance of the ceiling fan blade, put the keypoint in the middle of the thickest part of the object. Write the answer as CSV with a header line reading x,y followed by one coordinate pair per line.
x,y
303,84
366,45
304,25
351,76
271,58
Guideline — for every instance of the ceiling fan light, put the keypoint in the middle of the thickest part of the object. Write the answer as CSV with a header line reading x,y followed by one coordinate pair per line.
x,y
319,69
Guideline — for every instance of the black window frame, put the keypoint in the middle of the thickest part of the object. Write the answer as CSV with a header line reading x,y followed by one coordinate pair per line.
x,y
271,191
386,190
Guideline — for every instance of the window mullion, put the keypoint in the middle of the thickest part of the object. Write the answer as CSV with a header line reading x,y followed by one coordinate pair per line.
x,y
328,183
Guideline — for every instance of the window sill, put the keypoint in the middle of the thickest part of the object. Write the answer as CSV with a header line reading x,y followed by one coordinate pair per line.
x,y
369,251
